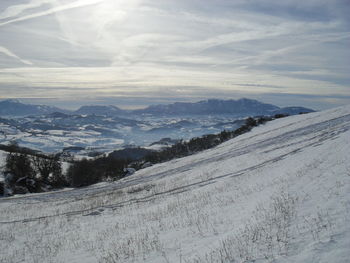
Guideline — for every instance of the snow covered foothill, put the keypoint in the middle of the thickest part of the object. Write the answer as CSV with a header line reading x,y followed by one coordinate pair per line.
x,y
278,193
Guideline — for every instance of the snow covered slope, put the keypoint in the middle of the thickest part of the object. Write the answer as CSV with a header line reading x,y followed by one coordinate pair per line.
x,y
278,193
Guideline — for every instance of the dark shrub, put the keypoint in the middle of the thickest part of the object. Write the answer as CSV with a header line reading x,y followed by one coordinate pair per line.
x,y
250,122
87,172
19,165
48,168
82,173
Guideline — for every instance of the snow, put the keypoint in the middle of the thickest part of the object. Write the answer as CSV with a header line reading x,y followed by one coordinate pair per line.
x,y
278,193
157,147
2,157
2,163
48,134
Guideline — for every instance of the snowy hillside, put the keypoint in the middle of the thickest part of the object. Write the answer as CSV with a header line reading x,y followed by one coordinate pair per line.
x,y
278,193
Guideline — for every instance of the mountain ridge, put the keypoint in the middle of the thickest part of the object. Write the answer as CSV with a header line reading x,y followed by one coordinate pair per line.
x,y
12,107
241,107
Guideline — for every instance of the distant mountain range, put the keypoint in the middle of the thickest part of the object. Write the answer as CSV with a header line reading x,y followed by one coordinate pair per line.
x,y
93,129
241,107
16,108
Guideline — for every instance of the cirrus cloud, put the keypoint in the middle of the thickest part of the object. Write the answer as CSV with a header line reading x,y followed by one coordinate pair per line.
x,y
185,47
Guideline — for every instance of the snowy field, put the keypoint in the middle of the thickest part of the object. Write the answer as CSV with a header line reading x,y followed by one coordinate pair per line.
x,y
280,193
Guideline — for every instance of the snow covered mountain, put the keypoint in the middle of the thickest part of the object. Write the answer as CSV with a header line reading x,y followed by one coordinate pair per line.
x,y
16,108
279,193
241,107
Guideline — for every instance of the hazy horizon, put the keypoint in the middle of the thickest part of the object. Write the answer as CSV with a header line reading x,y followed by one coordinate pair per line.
x,y
134,53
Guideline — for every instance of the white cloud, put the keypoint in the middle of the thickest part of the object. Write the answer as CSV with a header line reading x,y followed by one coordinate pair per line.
x,y
12,55
57,8
15,10
130,46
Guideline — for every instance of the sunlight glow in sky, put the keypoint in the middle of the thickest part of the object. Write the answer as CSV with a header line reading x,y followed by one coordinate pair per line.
x,y
286,52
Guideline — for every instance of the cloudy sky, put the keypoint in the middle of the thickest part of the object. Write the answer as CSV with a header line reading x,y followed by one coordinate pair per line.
x,y
138,52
